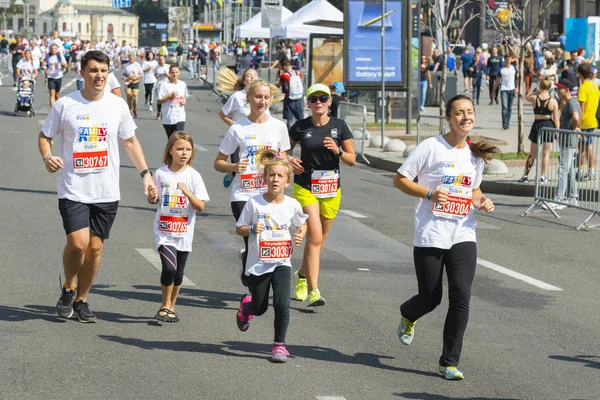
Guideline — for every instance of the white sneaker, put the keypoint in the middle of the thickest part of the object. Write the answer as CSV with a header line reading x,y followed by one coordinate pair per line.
x,y
422,109
573,201
553,206
150,109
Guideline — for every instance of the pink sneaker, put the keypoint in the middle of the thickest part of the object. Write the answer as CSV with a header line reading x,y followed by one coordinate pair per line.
x,y
243,319
280,353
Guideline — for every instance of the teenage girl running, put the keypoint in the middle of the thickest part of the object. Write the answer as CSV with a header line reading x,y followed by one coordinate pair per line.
x,y
448,171
259,131
181,192
325,141
266,218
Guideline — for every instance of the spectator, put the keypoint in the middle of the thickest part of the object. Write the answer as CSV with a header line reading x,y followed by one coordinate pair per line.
x,y
335,101
477,71
467,60
179,52
438,61
581,57
424,81
508,89
568,70
450,60
588,97
4,49
550,71
470,47
290,83
528,66
281,57
595,77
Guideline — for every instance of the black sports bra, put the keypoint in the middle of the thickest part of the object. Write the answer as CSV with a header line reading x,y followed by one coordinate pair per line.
x,y
541,106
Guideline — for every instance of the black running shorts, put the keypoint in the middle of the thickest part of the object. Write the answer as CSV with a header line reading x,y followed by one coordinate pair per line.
x,y
54,84
97,217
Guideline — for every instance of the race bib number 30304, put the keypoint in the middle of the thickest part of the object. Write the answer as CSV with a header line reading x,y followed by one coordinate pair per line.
x,y
457,205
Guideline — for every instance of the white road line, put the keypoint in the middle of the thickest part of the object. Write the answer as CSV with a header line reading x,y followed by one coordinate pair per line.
x,y
517,275
353,214
330,398
363,269
72,81
154,259
199,148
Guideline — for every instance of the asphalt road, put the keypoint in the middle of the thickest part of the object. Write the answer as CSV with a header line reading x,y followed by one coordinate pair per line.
x,y
523,341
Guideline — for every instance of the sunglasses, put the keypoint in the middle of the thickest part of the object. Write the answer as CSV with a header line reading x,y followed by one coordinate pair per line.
x,y
322,99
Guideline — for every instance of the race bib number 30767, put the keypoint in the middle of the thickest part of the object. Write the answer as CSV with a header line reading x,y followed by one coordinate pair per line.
x,y
90,157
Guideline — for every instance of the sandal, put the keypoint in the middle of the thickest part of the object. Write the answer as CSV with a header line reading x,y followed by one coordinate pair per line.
x,y
160,316
171,317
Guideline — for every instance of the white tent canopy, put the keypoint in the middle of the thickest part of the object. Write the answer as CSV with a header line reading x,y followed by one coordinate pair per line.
x,y
252,28
295,27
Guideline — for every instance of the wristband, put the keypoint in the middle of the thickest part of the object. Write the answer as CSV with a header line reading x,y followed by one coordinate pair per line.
x,y
252,232
429,194
146,171
47,156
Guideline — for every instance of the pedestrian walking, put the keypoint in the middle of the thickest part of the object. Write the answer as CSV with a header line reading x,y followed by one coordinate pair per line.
x,y
588,96
258,131
448,171
528,69
89,123
290,82
467,59
424,81
269,217
180,193
494,65
16,49
149,67
173,95
546,115
477,71
507,83
326,142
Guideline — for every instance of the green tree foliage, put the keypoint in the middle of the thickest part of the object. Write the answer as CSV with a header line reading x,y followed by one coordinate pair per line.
x,y
149,11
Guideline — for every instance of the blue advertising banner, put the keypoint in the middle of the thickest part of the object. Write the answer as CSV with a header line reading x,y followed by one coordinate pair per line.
x,y
363,22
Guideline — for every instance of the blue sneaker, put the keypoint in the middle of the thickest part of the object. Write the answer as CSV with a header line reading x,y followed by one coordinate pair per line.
x,y
451,373
228,179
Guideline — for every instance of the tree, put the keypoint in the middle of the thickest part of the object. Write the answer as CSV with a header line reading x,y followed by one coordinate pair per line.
x,y
509,22
149,11
443,19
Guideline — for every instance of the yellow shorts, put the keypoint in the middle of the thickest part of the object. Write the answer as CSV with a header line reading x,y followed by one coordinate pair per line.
x,y
328,208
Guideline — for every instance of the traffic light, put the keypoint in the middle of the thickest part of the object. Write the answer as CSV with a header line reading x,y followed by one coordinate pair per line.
x,y
196,12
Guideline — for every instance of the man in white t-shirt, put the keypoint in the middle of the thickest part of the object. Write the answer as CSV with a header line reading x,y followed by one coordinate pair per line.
x,y
89,122
508,90
56,64
124,53
133,73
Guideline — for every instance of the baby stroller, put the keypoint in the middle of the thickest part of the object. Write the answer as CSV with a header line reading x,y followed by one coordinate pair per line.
x,y
25,98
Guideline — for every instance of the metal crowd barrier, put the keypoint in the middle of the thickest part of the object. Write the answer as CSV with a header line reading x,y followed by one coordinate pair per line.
x,y
559,180
431,125
355,116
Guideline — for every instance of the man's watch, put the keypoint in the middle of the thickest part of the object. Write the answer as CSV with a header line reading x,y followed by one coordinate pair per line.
x,y
146,171
340,153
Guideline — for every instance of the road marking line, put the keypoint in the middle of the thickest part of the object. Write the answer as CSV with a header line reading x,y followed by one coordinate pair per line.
x,y
153,258
353,214
330,398
517,275
199,148
363,269
72,81
14,131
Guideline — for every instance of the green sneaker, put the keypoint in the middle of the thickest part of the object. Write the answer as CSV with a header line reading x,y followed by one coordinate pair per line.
x,y
451,373
315,299
406,331
301,287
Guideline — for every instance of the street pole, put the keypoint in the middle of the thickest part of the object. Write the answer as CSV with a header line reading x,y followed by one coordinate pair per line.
x,y
270,53
409,71
382,72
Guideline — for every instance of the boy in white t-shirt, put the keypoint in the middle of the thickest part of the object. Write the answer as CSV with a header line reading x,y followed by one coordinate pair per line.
x,y
89,123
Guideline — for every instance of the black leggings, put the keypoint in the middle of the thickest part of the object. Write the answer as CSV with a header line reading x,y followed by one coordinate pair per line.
x,y
460,261
492,83
259,287
170,129
173,265
236,209
149,93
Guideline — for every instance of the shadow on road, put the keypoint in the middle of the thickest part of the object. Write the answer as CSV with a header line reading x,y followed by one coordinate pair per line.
x,y
47,313
432,396
586,360
6,189
187,296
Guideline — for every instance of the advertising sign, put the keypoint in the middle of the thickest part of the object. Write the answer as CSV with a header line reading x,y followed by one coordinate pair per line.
x,y
505,13
121,3
363,21
326,57
270,14
178,17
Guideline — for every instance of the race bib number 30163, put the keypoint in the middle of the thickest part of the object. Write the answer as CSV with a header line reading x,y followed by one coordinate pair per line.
x,y
176,226
252,181
324,184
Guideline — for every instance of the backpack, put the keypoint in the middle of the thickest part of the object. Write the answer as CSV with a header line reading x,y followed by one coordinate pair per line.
x,y
261,50
296,87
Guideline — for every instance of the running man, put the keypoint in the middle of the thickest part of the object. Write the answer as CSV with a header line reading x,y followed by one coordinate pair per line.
x,y
56,64
133,73
88,179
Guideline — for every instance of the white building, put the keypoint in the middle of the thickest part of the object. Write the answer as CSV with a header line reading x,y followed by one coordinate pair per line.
x,y
88,19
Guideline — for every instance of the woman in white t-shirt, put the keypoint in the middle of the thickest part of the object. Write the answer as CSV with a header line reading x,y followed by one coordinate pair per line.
x,y
448,169
162,75
25,68
258,131
149,66
235,109
182,193
173,96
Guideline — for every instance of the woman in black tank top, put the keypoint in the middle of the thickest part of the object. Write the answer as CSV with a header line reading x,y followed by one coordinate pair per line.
x,y
546,113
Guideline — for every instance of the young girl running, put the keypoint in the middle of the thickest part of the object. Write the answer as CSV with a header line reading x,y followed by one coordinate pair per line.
x,y
266,218
181,192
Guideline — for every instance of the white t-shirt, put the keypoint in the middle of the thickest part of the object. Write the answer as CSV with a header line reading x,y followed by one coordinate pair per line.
x,y
124,51
251,138
550,73
435,162
149,76
91,129
507,78
26,68
237,106
173,110
161,75
133,69
55,62
277,219
175,216
36,56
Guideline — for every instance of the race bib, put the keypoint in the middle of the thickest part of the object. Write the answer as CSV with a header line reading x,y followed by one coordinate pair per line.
x,y
253,181
324,184
90,157
458,204
174,225
275,246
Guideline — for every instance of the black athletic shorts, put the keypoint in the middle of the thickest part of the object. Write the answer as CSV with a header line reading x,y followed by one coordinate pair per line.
x,y
54,84
467,73
98,217
133,86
